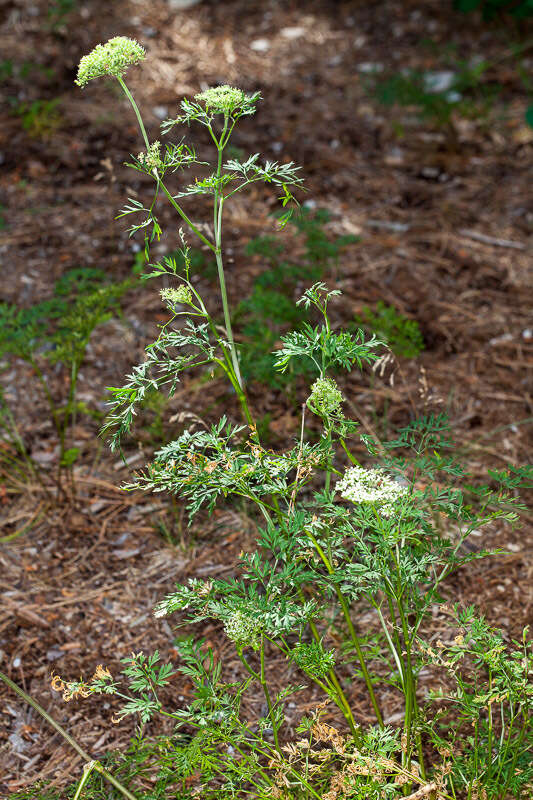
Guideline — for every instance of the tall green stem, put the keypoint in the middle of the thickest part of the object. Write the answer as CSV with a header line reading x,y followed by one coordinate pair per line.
x,y
260,676
353,635
178,208
72,742
341,699
266,692
218,206
136,109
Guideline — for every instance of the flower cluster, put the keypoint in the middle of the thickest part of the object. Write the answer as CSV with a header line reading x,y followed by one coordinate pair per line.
x,y
112,58
243,629
325,398
373,486
152,158
182,294
222,99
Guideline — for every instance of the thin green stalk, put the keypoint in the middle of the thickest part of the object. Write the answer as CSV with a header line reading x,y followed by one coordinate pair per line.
x,y
392,647
411,704
266,692
342,702
136,109
73,743
517,752
48,395
218,205
260,676
489,741
87,769
327,481
184,216
503,756
349,453
351,629
159,181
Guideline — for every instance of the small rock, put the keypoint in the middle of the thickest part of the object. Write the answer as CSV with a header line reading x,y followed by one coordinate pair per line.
x,y
53,654
126,553
369,67
453,97
97,506
435,82
292,33
506,337
161,112
17,742
260,45
180,5
394,157
431,173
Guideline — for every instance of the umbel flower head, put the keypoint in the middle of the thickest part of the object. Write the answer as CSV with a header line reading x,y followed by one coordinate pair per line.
x,y
223,99
182,294
371,486
112,58
325,398
152,158
243,629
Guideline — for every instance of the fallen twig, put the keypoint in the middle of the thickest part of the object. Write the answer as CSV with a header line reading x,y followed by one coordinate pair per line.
x,y
481,237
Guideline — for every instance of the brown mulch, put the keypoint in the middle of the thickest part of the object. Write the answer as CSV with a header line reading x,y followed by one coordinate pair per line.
x,y
446,239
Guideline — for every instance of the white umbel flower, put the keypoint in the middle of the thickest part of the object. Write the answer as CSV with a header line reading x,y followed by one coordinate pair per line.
x,y
182,294
222,99
112,58
373,486
243,629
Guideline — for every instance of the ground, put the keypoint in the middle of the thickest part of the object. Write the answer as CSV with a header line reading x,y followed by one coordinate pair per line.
x,y
445,236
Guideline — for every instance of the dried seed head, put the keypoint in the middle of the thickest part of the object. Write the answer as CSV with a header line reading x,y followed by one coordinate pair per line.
x,y
112,58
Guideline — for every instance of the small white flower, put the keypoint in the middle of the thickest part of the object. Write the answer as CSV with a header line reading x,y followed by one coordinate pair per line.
x,y
152,158
373,486
243,629
182,294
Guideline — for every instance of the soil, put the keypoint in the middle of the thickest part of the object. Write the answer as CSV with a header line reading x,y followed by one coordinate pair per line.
x,y
446,233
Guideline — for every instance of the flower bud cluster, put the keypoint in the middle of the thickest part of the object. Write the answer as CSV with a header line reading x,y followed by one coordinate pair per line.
x,y
374,486
112,58
243,629
325,398
181,294
152,158
221,99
